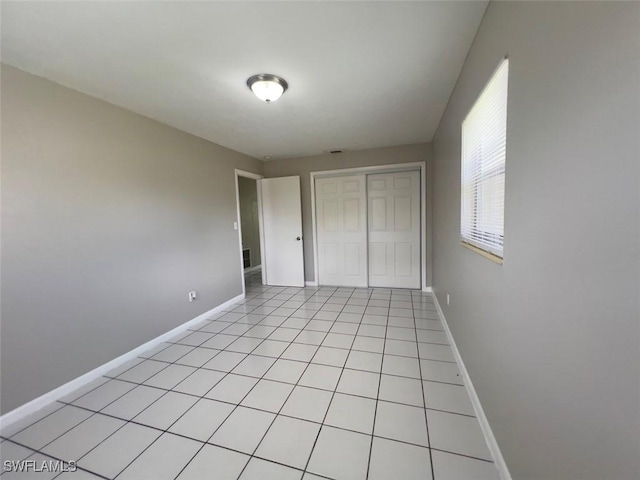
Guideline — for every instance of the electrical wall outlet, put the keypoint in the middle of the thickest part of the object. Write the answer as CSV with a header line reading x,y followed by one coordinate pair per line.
x,y
192,295
448,300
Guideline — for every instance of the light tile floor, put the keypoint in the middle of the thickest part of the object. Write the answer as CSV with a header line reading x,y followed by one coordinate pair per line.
x,y
291,383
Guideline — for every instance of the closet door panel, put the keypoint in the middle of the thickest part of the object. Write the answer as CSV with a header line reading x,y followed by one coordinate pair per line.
x,y
341,232
394,229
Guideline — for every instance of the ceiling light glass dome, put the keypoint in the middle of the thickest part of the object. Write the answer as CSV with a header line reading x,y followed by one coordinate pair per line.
x,y
267,87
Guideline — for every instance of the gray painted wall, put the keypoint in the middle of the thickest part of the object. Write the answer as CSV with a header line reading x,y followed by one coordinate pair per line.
x,y
551,338
108,220
420,152
248,193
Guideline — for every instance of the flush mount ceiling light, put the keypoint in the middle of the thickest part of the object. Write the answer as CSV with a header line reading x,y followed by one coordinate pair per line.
x,y
267,87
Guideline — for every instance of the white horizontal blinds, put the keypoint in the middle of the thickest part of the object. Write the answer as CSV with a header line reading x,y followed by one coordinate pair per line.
x,y
484,133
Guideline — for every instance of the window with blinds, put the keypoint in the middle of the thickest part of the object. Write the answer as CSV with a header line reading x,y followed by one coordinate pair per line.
x,y
484,133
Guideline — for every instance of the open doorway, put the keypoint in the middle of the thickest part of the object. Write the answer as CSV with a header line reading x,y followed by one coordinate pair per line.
x,y
249,228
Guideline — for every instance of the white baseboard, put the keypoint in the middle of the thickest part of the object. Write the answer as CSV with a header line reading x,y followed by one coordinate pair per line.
x,y
494,449
311,284
253,269
42,401
427,289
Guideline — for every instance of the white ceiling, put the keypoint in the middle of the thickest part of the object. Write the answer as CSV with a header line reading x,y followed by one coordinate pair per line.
x,y
361,74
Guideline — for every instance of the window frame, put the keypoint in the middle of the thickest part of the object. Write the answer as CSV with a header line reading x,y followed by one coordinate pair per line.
x,y
493,248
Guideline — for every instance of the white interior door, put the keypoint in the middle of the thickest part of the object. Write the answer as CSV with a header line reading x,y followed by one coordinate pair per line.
x,y
283,258
341,230
394,229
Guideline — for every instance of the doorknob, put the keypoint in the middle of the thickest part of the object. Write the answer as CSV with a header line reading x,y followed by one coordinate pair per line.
x,y
298,238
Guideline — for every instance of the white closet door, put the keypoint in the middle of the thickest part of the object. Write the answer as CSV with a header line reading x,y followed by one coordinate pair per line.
x,y
394,229
341,229
283,258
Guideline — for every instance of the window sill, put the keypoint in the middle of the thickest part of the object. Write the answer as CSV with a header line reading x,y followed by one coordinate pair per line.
x,y
485,254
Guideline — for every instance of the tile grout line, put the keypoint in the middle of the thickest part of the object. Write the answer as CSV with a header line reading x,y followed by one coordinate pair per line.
x,y
326,334
243,315
324,418
10,438
76,398
299,361
144,409
161,430
226,375
127,421
148,406
93,414
375,412
171,390
110,415
40,452
240,374
241,400
424,399
308,363
287,383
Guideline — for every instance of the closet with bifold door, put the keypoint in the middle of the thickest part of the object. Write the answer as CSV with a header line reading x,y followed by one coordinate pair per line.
x,y
368,229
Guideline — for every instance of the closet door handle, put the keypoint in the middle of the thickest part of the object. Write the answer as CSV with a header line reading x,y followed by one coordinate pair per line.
x,y
298,238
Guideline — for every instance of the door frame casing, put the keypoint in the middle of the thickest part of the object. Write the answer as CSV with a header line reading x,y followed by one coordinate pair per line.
x,y
397,167
256,177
